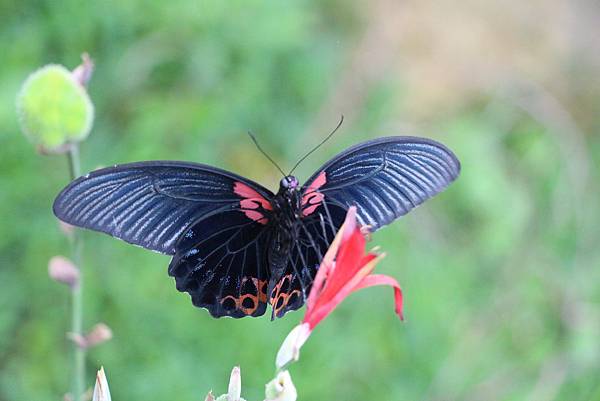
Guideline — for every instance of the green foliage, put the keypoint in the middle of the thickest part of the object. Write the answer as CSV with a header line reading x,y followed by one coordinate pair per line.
x,y
500,272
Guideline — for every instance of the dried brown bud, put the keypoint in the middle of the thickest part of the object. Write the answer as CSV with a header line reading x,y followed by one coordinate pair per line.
x,y
83,72
366,232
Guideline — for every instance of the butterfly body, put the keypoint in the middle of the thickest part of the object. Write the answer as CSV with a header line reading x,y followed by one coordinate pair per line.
x,y
235,245
283,226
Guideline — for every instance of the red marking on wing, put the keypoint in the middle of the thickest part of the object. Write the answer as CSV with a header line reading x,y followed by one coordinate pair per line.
x,y
251,201
312,197
319,181
312,202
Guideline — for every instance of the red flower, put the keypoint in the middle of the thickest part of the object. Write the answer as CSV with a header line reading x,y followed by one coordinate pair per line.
x,y
345,268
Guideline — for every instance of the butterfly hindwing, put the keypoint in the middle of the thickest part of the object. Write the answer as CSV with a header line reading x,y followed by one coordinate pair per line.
x,y
221,261
385,178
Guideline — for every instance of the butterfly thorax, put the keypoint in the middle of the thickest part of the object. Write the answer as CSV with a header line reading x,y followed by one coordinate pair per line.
x,y
286,212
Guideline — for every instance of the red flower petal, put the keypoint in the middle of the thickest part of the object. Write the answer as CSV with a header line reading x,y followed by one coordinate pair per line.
x,y
345,269
381,279
327,264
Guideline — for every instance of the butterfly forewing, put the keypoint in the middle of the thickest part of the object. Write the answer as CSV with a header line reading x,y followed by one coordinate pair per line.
x,y
150,203
385,178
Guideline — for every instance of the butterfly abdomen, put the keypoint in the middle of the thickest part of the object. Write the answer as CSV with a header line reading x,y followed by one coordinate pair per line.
x,y
285,212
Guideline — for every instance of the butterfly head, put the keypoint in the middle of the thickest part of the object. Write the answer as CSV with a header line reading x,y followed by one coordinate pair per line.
x,y
288,183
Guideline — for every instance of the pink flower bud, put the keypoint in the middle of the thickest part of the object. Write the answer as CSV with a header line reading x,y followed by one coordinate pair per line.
x,y
100,333
64,271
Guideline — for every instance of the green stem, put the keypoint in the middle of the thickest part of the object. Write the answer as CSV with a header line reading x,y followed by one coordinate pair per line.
x,y
284,367
76,305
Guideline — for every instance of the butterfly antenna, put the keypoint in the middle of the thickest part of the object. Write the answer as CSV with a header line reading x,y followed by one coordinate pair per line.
x,y
318,146
265,153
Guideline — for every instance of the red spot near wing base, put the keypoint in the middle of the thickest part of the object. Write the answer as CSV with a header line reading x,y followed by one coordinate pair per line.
x,y
251,202
312,198
312,203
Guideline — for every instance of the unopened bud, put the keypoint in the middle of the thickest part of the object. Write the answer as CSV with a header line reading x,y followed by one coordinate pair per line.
x,y
101,391
64,271
281,388
97,335
235,388
83,72
100,333
54,109
235,384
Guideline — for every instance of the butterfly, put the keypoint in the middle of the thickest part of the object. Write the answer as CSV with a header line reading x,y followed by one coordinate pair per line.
x,y
236,246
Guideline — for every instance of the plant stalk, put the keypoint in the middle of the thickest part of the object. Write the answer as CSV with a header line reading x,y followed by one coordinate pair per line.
x,y
76,295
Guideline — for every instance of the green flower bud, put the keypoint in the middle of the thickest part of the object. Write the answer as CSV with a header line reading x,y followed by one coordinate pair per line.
x,y
54,109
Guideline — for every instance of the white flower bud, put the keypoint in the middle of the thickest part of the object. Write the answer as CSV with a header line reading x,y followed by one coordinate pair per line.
x,y
235,384
101,391
281,388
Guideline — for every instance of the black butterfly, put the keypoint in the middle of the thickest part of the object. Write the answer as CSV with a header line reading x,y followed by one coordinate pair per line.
x,y
236,246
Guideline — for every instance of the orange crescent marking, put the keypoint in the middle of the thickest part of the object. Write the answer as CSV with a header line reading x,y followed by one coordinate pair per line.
x,y
261,288
283,304
248,311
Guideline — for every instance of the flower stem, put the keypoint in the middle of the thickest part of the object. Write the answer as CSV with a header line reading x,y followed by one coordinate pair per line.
x,y
283,368
76,296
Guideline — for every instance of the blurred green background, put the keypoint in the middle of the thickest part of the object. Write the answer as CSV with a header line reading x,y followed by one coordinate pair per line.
x,y
501,272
